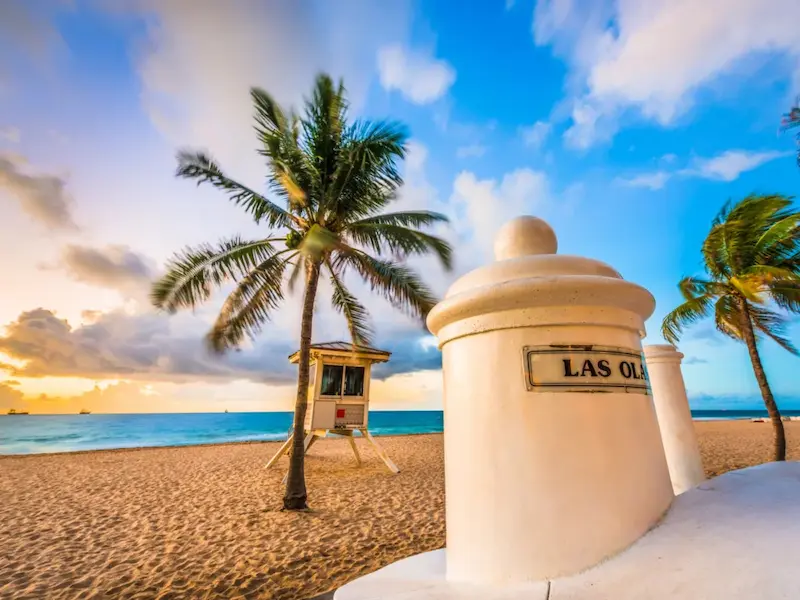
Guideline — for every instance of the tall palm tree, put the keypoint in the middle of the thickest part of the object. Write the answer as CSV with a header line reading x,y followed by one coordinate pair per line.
x,y
752,262
335,178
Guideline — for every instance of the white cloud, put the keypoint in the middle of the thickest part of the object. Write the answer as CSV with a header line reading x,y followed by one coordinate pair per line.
x,y
535,135
472,150
653,55
726,166
669,158
730,164
419,77
653,181
487,204
198,63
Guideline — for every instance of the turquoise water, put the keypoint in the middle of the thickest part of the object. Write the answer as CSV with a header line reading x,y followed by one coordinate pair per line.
x,y
35,434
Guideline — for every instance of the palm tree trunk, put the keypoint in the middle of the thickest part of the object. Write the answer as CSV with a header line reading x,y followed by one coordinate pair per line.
x,y
296,496
763,384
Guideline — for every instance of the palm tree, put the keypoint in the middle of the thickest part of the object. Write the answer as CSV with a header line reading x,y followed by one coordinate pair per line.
x,y
752,262
335,178
791,120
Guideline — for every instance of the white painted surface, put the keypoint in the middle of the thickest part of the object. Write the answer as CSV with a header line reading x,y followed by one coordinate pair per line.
x,y
542,484
674,417
735,537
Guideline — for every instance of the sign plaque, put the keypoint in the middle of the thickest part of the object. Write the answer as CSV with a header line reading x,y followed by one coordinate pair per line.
x,y
585,368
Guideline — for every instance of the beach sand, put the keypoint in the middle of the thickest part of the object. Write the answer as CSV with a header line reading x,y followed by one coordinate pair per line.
x,y
203,522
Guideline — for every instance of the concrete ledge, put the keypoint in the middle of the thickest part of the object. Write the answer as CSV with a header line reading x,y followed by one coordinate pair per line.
x,y
735,537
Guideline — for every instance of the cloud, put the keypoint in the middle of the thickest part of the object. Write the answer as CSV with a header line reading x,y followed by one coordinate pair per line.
x,y
535,135
471,151
155,347
118,345
487,204
669,158
706,332
726,166
730,164
197,62
11,397
43,197
694,360
653,56
653,181
115,267
10,134
419,77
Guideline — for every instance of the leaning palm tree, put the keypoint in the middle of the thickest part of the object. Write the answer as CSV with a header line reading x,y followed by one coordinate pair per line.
x,y
752,262
334,179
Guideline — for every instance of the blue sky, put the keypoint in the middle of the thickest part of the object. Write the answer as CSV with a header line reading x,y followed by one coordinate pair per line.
x,y
625,124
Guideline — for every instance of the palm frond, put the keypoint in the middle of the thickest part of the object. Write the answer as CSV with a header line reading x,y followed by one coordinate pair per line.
x,y
728,317
354,312
366,177
411,218
684,315
396,283
772,325
780,240
193,273
291,170
400,241
323,126
250,304
786,294
200,167
691,287
269,116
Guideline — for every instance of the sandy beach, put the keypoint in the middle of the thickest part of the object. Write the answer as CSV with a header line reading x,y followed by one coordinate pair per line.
x,y
203,522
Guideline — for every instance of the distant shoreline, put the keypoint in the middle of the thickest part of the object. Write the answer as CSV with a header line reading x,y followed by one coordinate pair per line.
x,y
35,435
251,442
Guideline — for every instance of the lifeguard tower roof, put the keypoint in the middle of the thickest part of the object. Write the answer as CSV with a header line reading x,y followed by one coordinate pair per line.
x,y
373,354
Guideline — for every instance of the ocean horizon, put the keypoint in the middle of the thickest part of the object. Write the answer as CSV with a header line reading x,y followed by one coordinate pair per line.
x,y
41,434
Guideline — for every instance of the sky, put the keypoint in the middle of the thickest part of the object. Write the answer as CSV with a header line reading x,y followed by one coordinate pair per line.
x,y
626,125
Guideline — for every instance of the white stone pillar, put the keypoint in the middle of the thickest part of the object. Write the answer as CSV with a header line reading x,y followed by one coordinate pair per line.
x,y
674,417
552,465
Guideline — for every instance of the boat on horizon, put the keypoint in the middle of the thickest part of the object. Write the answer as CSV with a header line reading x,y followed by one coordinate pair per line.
x,y
83,411
14,411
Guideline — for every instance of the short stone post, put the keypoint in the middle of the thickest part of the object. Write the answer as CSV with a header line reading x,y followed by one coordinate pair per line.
x,y
674,417
554,460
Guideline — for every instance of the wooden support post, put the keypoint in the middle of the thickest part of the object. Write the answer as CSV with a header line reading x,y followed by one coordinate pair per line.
x,y
285,448
352,441
381,452
310,438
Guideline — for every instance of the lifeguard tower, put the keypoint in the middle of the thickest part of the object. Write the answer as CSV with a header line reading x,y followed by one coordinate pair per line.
x,y
339,396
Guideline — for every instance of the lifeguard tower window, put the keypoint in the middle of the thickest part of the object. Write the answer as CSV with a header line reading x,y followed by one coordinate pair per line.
x,y
332,380
338,380
354,381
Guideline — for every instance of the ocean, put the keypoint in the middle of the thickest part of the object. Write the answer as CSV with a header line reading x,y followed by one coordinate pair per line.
x,y
37,434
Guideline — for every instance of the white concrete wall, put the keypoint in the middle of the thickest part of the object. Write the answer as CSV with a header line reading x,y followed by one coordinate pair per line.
x,y
674,417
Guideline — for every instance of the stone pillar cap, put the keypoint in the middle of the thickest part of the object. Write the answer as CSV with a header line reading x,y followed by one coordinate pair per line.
x,y
527,273
662,352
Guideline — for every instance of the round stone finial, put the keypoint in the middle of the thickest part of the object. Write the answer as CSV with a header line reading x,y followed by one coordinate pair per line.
x,y
524,236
